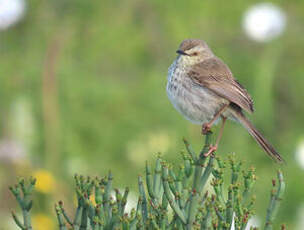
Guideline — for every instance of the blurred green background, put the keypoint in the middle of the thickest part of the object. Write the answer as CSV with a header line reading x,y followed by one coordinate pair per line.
x,y
83,91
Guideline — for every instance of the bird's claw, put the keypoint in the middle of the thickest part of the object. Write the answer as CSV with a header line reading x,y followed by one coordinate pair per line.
x,y
211,150
206,127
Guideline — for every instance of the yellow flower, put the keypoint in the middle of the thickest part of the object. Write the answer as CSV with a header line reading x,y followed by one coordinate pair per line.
x,y
92,199
41,221
45,181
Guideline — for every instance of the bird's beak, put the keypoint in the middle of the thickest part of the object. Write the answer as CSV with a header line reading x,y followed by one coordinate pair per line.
x,y
182,52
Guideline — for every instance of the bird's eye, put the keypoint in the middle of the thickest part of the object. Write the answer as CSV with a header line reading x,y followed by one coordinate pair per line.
x,y
195,54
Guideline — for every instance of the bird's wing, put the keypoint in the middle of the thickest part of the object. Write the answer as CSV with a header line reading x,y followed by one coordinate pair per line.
x,y
216,76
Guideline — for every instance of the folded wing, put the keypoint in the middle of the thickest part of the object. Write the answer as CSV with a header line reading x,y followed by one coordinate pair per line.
x,y
216,76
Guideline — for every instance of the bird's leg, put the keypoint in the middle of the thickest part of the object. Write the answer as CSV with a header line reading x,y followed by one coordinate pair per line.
x,y
213,148
206,127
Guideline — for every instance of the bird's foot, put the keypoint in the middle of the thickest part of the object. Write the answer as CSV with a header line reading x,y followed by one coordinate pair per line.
x,y
211,150
206,127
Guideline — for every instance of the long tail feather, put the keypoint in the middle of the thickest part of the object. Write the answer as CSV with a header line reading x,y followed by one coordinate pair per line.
x,y
269,149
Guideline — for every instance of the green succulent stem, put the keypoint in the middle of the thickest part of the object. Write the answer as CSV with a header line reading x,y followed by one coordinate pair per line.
x,y
198,181
23,192
275,200
100,207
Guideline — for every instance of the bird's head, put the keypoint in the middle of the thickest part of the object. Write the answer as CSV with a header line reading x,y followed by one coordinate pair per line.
x,y
193,51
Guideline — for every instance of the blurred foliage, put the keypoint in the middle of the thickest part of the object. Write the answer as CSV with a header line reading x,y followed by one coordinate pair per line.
x,y
83,89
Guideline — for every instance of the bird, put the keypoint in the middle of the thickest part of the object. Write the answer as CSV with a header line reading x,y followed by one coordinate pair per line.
x,y
203,89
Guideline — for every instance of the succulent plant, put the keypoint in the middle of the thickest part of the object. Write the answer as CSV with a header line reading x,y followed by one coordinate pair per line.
x,y
168,199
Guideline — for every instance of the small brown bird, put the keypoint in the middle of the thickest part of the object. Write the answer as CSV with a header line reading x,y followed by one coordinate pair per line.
x,y
202,88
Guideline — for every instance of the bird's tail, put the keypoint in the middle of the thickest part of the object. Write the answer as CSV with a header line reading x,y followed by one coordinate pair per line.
x,y
269,149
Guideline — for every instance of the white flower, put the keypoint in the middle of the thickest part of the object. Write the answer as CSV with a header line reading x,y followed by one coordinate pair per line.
x,y
11,11
11,151
252,222
264,22
132,200
300,154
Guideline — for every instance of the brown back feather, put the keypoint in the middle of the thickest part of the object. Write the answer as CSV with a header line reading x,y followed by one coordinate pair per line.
x,y
217,77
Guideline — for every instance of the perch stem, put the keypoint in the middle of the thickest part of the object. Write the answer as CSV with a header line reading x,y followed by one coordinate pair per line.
x,y
198,182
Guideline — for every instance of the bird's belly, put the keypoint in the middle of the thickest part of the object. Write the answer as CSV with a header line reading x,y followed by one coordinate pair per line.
x,y
197,104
